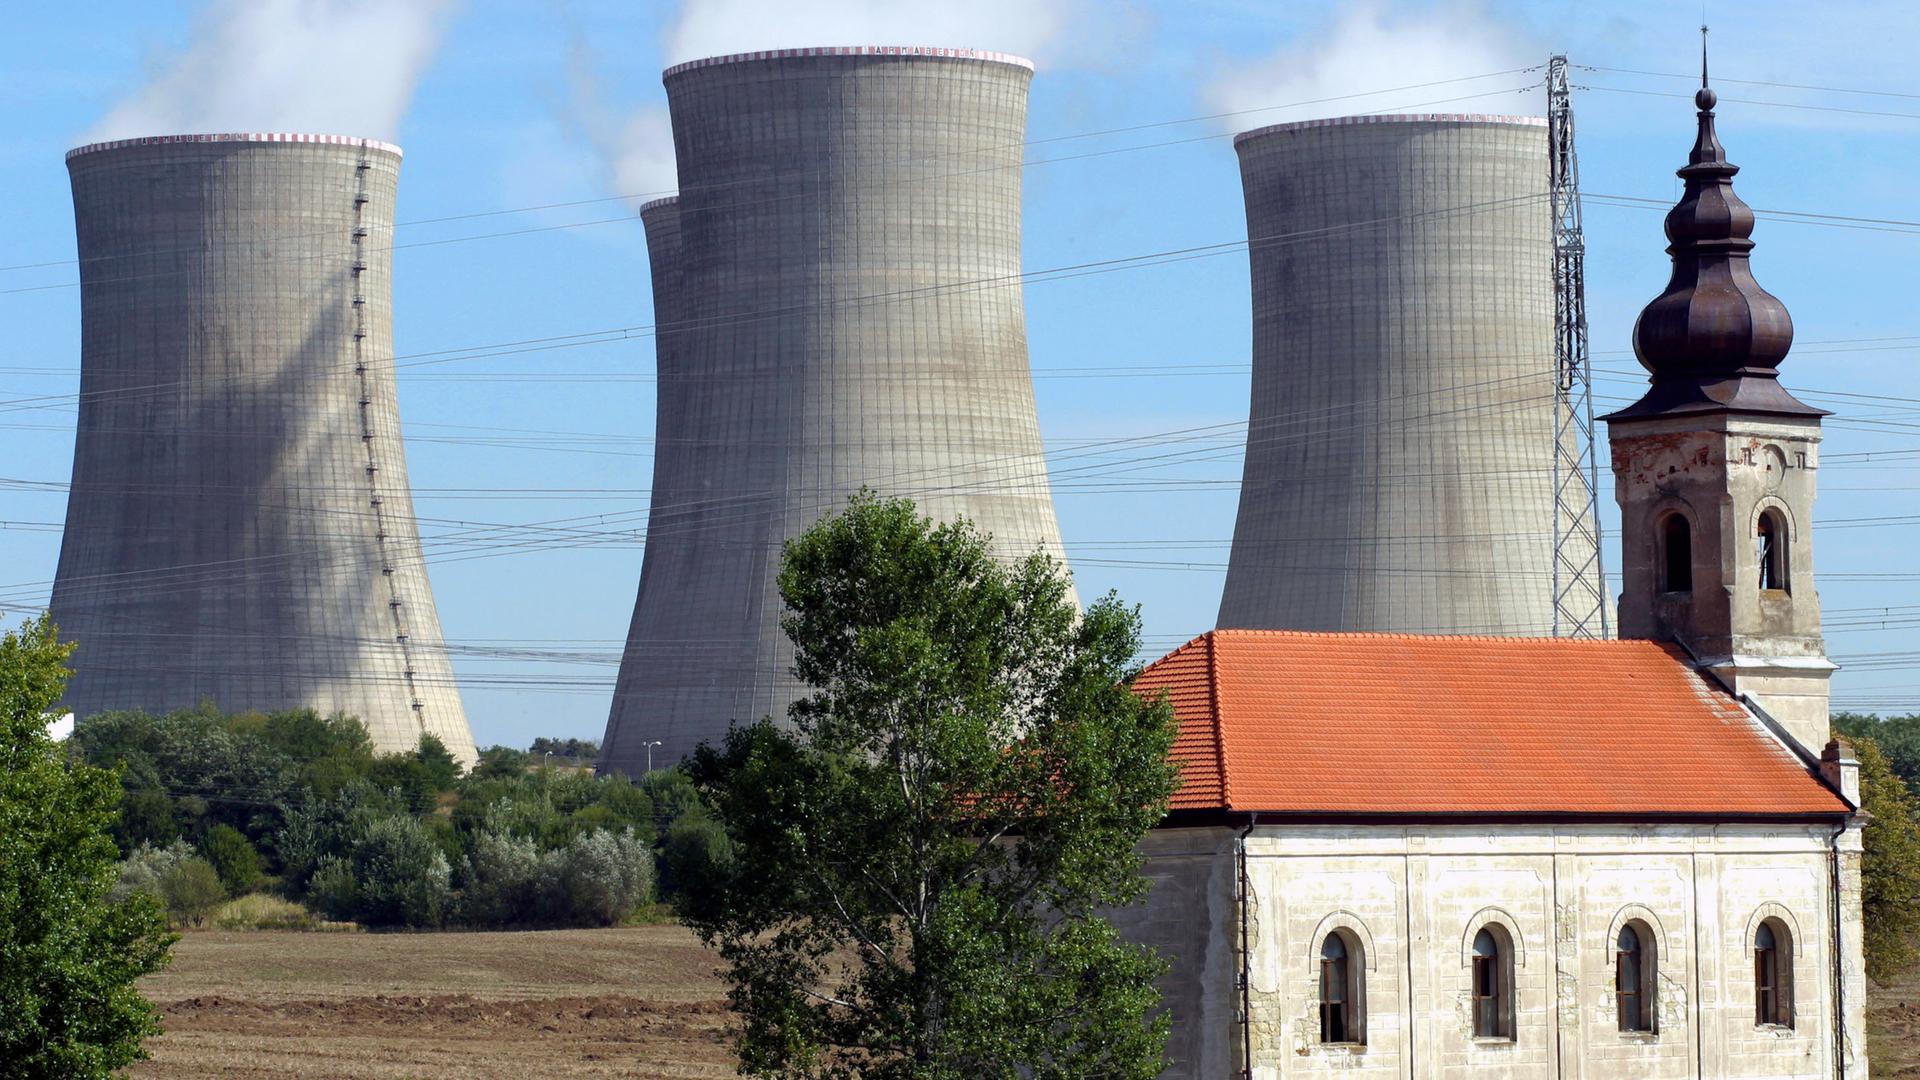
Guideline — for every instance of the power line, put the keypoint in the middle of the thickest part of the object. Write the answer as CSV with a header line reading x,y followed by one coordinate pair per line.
x,y
995,148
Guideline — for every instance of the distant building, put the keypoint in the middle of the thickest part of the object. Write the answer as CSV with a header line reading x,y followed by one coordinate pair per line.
x,y
1465,857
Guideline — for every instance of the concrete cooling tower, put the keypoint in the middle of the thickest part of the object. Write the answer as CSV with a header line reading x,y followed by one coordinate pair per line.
x,y
839,306
240,527
1399,458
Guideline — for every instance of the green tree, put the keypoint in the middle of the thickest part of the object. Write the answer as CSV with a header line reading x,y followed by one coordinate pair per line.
x,y
442,770
407,778
1890,872
68,955
192,890
694,852
232,858
919,866
1898,738
401,876
502,763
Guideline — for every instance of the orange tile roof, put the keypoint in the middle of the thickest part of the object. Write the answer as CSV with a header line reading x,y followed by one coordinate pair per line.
x,y
1294,722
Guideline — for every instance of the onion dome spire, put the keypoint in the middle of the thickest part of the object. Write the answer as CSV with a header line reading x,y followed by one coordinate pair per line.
x,y
1714,338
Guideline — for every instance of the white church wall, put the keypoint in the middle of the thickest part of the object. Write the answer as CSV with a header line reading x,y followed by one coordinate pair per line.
x,y
1415,896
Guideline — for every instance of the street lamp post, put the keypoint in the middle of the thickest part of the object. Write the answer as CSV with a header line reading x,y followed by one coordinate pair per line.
x,y
650,747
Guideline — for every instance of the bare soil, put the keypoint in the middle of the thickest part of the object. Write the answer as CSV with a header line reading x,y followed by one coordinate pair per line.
x,y
1893,1029
634,1002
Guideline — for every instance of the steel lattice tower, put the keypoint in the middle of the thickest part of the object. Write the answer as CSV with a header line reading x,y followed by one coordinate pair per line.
x,y
1579,575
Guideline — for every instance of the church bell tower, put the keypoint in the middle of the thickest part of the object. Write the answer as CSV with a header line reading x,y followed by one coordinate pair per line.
x,y
1714,467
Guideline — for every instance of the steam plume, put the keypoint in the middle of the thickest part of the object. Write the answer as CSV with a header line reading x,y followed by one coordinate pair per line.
x,y
345,67
715,27
1369,49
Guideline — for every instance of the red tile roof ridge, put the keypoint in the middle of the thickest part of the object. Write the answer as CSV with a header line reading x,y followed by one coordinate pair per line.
x,y
1402,635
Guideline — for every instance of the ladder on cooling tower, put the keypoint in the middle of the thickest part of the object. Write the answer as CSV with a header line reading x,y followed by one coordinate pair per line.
x,y
376,502
1579,574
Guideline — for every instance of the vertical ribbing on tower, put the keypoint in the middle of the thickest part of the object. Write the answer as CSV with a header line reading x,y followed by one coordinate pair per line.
x,y
1398,474
843,310
240,527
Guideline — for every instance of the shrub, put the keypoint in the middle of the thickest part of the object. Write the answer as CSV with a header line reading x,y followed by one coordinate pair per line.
x,y
233,858
401,876
332,889
607,875
598,879
697,849
146,868
508,882
191,891
258,911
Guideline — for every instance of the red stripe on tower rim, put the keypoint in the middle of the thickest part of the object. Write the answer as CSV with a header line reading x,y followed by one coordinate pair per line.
x,y
919,51
236,137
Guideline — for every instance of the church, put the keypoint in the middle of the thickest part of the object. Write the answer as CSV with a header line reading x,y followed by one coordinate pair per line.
x,y
1449,857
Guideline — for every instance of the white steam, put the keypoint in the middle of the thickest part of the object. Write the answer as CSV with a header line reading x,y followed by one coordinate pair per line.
x,y
635,146
716,27
1373,60
340,67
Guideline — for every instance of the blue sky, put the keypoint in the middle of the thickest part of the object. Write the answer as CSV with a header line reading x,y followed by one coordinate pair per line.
x,y
508,107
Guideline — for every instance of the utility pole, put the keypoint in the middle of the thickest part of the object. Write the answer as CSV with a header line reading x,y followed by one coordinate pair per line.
x,y
1579,575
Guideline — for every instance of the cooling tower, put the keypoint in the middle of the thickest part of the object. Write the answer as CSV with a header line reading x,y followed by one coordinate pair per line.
x,y
838,296
240,527
1398,471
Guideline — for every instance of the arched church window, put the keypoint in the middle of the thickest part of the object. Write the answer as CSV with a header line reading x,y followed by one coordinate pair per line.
x,y
1492,984
1773,974
1770,550
1676,554
1635,975
1342,971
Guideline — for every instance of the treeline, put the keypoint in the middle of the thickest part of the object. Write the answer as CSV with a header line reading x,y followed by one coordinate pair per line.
x,y
1898,738
298,805
1889,752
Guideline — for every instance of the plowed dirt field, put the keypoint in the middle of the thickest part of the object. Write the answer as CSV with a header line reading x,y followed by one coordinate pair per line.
x,y
639,1002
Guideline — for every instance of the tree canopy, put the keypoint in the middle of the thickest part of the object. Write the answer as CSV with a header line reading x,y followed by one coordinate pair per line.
x,y
69,955
1890,871
914,868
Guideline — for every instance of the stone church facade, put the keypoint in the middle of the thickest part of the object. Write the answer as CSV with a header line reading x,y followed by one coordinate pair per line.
x,y
1450,857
